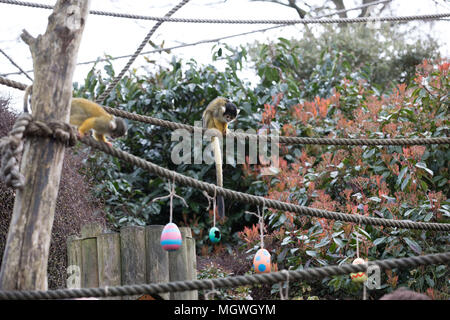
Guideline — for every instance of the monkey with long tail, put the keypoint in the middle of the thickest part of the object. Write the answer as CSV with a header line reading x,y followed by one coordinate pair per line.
x,y
217,115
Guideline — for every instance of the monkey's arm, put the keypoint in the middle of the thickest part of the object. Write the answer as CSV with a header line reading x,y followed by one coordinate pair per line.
x,y
222,127
101,137
87,125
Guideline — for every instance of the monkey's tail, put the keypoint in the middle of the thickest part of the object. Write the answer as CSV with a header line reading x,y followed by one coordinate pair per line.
x,y
218,160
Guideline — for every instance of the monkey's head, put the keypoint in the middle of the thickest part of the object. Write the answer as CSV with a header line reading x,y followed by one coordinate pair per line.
x,y
229,110
118,128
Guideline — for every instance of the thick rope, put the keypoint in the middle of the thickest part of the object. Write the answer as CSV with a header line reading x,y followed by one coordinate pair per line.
x,y
257,200
12,83
227,282
11,146
422,17
281,139
242,21
141,17
116,80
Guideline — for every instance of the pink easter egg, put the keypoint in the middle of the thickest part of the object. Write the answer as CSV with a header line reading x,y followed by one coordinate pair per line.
x,y
171,237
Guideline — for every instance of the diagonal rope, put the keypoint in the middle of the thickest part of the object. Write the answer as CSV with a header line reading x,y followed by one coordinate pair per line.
x,y
16,65
116,80
258,200
227,282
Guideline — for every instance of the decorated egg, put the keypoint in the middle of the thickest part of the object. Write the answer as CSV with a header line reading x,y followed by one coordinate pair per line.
x,y
261,261
360,276
214,235
171,237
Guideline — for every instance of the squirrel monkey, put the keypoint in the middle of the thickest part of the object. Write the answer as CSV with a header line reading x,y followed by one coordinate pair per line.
x,y
87,115
217,115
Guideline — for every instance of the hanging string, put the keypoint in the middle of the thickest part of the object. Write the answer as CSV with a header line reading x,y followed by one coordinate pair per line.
x,y
357,255
261,223
214,208
357,242
213,200
285,295
170,196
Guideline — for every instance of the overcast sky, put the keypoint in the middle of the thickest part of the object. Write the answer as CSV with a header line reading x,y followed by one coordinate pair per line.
x,y
116,36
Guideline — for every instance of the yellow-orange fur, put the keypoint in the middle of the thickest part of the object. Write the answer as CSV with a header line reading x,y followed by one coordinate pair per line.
x,y
88,115
217,115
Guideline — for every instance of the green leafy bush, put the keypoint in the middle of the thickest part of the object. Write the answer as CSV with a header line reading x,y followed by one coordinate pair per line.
x,y
389,182
334,92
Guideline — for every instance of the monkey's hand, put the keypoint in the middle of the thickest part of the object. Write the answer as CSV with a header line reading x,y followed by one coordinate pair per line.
x,y
80,134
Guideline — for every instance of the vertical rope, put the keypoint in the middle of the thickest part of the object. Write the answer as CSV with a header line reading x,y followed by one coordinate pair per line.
x,y
214,207
172,191
261,226
357,243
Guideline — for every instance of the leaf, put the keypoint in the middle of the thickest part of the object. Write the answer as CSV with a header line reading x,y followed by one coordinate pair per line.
x,y
429,281
423,166
311,253
401,174
428,217
405,182
379,241
339,242
322,243
413,245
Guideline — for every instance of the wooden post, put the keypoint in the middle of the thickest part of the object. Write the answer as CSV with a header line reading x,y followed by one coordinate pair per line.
x,y
91,230
181,264
108,250
89,263
192,264
157,269
132,248
73,262
25,258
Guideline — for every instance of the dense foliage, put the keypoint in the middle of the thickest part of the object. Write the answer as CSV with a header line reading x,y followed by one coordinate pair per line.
x,y
390,182
328,90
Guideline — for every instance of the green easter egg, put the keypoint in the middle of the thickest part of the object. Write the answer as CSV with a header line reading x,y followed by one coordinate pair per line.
x,y
214,235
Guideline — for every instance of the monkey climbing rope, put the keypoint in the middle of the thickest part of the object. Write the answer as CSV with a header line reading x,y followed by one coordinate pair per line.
x,y
227,282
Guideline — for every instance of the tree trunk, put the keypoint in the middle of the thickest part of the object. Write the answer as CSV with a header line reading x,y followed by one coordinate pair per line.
x,y
54,55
